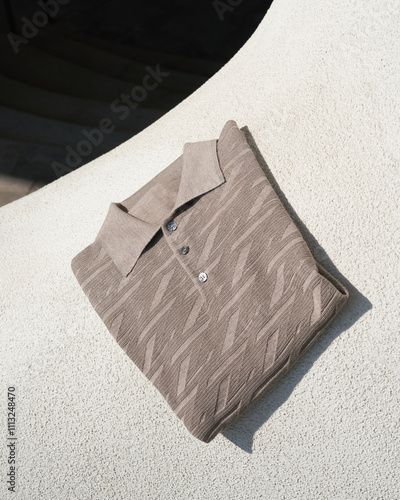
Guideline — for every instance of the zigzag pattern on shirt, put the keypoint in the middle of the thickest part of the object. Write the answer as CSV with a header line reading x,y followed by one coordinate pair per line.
x,y
211,353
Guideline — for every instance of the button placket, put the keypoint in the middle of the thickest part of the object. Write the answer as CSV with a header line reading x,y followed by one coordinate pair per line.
x,y
172,225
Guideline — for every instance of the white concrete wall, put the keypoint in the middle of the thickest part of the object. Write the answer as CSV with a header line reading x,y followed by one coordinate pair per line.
x,y
317,86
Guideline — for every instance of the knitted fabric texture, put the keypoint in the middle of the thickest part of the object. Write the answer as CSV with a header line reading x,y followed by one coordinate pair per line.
x,y
210,347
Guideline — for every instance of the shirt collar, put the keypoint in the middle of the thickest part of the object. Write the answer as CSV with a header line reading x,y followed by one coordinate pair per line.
x,y
131,224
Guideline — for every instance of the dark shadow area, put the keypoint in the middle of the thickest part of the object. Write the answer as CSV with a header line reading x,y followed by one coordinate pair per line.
x,y
242,430
80,78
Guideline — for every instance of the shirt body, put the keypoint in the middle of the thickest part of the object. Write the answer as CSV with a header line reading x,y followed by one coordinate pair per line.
x,y
211,346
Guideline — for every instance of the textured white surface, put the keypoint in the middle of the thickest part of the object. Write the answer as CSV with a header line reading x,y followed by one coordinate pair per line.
x,y
317,86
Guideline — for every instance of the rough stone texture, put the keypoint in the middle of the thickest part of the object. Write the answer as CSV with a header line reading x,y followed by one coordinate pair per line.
x,y
317,87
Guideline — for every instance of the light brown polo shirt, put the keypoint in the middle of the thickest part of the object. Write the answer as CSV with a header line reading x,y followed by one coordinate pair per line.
x,y
206,283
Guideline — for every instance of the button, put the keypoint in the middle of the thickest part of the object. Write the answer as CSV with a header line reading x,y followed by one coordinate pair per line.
x,y
184,250
203,277
172,225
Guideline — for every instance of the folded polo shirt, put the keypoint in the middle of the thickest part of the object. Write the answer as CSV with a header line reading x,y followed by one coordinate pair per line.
x,y
204,280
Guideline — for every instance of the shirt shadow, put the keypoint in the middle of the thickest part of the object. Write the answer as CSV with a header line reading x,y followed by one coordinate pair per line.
x,y
241,431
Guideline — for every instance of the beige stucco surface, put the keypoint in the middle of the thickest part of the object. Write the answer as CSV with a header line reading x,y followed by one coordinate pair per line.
x,y
317,90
